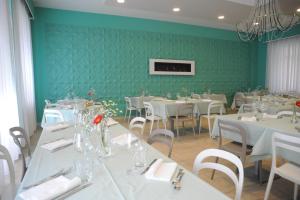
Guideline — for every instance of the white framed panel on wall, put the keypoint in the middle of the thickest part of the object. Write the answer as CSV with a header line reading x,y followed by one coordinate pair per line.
x,y
171,67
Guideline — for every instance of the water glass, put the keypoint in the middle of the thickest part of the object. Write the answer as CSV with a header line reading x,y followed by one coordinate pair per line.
x,y
83,168
138,158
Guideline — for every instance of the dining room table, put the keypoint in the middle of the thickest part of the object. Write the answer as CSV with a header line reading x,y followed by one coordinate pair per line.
x,y
259,133
110,179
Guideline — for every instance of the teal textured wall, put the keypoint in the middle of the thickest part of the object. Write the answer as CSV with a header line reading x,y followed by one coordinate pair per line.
x,y
77,51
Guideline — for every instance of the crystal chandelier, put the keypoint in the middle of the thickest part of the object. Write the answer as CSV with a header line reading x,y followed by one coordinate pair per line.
x,y
266,22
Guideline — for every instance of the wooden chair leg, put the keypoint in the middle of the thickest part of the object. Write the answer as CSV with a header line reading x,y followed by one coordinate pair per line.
x,y
214,171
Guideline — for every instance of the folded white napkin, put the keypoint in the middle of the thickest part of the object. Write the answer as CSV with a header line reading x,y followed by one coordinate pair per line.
x,y
51,189
111,122
124,139
248,119
57,144
161,171
57,127
265,115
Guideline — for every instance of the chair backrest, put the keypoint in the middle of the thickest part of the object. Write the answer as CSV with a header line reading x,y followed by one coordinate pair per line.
x,y
238,131
185,109
239,99
128,102
245,108
52,113
162,136
215,105
4,155
47,102
199,164
284,141
138,123
149,112
20,138
196,96
287,112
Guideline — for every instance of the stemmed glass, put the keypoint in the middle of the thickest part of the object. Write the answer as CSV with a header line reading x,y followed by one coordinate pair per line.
x,y
138,157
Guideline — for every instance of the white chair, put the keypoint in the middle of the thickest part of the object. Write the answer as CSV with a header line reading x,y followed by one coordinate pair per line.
x,y
162,136
239,99
20,138
287,113
53,114
246,108
199,164
8,191
48,104
196,96
240,149
149,112
137,123
288,170
184,113
212,107
129,108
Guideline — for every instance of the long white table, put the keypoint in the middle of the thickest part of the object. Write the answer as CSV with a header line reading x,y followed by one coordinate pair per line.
x,y
110,179
260,135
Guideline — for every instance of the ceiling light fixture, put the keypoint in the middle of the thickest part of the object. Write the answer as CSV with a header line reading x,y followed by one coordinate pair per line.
x,y
121,1
298,10
266,22
176,9
221,17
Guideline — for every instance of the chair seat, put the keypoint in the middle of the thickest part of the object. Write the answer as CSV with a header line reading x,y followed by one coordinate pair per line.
x,y
151,118
8,191
131,108
235,148
289,171
182,118
209,117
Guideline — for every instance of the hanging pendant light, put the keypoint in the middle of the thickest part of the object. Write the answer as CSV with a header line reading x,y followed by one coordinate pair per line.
x,y
266,22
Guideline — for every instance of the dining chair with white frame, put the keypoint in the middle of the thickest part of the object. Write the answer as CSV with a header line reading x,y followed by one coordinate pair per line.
x,y
129,108
214,105
288,170
53,114
8,191
20,138
149,112
200,164
246,108
162,136
184,113
137,123
240,149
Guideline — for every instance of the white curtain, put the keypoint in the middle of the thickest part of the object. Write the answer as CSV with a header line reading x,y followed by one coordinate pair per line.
x,y
17,100
283,66
8,97
24,68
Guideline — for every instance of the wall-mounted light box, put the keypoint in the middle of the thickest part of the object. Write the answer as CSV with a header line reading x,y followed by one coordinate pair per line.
x,y
171,67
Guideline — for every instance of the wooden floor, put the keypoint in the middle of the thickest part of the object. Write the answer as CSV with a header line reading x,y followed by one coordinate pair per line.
x,y
187,146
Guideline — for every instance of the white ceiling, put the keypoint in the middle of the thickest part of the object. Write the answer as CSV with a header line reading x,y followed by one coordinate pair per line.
x,y
196,12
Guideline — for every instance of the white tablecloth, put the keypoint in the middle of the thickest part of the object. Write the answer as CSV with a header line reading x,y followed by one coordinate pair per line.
x,y
111,181
167,108
260,135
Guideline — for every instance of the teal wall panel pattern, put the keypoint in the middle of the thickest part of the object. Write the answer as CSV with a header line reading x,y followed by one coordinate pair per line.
x,y
114,61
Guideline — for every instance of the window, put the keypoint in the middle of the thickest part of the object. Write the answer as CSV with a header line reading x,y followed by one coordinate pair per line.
x,y
283,66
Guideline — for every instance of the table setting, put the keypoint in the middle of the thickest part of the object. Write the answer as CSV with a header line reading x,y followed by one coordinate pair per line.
x,y
260,127
95,155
